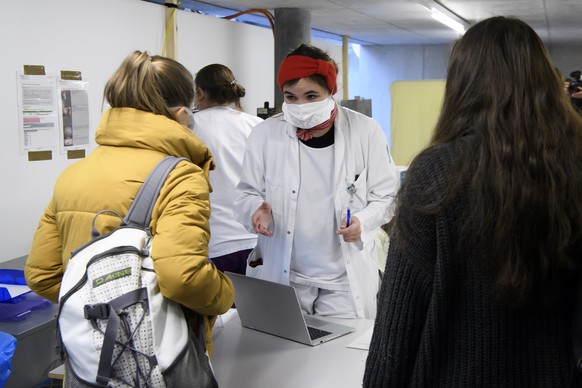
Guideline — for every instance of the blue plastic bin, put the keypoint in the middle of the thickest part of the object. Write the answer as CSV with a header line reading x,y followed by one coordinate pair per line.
x,y
7,347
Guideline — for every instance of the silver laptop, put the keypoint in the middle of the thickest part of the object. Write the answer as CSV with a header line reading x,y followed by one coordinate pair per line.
x,y
274,308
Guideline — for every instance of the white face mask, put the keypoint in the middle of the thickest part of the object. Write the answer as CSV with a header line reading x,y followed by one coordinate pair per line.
x,y
309,115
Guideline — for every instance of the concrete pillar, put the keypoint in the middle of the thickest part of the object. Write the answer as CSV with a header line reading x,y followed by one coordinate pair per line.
x,y
292,27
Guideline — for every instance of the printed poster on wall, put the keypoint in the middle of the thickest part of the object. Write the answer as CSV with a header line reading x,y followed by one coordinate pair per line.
x,y
74,114
37,112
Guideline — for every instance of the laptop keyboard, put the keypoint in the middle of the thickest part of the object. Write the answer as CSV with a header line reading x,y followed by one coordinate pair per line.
x,y
316,333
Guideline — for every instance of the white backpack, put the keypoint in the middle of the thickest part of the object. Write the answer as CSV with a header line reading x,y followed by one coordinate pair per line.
x,y
115,326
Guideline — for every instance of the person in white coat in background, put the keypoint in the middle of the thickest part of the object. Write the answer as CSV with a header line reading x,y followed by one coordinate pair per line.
x,y
302,170
224,127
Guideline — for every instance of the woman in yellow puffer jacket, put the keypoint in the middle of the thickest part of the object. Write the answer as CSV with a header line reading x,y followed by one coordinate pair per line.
x,y
150,99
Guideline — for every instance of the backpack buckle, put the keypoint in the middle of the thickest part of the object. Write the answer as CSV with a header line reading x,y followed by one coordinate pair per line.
x,y
96,311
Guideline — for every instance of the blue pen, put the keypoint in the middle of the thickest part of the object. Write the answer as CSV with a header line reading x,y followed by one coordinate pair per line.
x,y
348,218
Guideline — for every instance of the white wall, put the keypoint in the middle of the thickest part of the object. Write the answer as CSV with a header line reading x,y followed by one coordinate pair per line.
x,y
61,35
247,50
94,37
567,58
377,67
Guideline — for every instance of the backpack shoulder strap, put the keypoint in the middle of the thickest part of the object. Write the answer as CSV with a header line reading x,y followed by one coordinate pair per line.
x,y
140,212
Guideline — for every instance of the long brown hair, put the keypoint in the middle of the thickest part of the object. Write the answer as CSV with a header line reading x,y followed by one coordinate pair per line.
x,y
522,166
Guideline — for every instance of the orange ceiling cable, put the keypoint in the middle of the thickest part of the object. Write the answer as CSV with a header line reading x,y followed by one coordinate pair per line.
x,y
265,12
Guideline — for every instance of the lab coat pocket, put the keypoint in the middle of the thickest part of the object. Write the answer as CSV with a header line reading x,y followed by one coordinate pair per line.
x,y
254,264
358,192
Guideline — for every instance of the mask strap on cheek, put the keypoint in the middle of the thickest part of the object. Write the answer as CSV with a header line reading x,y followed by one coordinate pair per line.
x,y
190,124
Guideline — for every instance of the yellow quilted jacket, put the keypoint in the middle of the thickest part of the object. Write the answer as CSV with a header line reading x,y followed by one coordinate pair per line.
x,y
131,143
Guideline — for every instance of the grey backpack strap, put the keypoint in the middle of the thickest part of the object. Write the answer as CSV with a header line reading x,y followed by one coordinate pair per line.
x,y
111,312
140,212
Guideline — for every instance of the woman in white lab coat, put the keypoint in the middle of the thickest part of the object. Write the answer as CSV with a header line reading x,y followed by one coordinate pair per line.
x,y
224,127
303,169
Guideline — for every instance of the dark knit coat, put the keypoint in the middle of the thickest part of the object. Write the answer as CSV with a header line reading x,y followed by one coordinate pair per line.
x,y
438,322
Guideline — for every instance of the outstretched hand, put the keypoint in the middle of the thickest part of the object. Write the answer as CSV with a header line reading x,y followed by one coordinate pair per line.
x,y
261,219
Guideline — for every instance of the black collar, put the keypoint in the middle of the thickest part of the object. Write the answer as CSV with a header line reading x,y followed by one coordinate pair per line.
x,y
323,141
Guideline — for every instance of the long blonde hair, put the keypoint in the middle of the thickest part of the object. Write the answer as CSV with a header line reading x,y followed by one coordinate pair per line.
x,y
150,83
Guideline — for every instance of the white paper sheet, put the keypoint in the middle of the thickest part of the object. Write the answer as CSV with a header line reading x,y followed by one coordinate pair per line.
x,y
222,321
14,289
363,341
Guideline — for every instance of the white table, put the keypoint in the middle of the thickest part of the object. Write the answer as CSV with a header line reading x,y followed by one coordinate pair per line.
x,y
245,358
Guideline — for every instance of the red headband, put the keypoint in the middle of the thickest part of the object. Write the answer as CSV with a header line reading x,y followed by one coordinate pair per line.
x,y
299,66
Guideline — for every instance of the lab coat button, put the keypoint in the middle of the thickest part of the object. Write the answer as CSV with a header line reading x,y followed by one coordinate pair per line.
x,y
293,191
288,232
348,262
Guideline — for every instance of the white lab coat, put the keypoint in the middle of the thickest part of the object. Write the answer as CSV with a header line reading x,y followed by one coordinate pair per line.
x,y
225,130
271,173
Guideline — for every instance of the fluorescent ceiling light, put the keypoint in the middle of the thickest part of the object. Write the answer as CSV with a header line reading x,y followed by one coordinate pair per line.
x,y
444,15
447,20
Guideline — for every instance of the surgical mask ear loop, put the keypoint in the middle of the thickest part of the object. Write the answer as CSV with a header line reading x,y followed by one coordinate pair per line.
x,y
198,97
190,119
190,124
